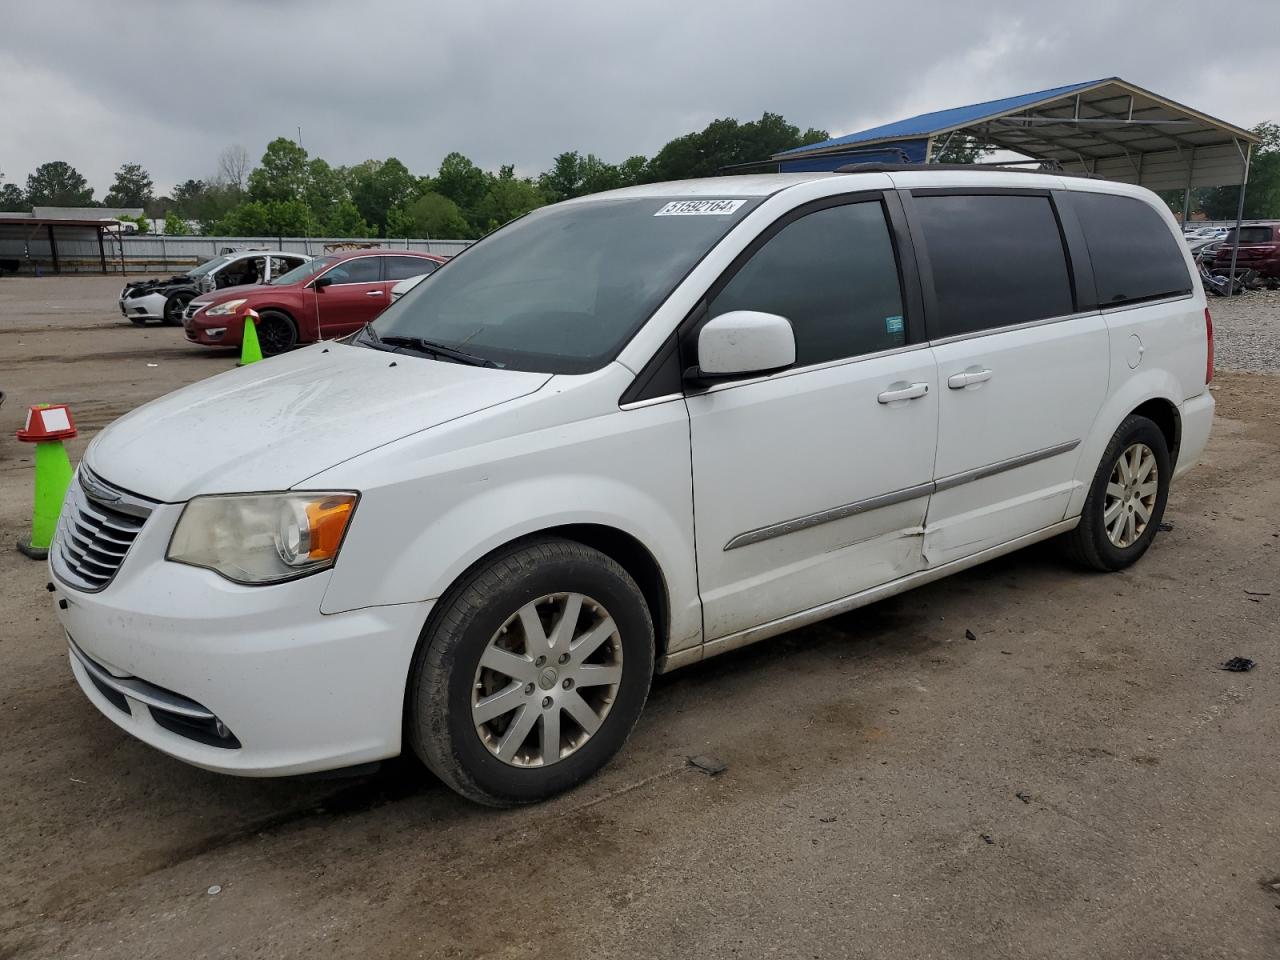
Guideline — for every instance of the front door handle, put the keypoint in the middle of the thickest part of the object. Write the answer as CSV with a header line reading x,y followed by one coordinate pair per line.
x,y
373,293
903,391
958,381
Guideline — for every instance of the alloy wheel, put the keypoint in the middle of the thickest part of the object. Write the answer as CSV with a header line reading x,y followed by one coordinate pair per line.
x,y
547,679
1131,495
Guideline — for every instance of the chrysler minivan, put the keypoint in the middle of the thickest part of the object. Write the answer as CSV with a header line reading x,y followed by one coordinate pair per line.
x,y
620,435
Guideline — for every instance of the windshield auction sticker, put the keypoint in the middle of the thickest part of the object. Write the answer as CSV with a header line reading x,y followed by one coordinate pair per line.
x,y
698,208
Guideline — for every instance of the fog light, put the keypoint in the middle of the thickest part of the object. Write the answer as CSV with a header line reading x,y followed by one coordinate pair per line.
x,y
215,333
220,729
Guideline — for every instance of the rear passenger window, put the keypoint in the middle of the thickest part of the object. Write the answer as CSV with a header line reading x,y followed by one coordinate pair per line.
x,y
833,274
1135,255
997,260
402,268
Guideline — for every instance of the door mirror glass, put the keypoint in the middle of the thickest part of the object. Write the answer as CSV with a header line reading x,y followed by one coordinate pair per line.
x,y
741,343
322,282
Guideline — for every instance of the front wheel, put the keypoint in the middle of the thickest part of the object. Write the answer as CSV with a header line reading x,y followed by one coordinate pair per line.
x,y
175,306
531,674
1126,500
276,332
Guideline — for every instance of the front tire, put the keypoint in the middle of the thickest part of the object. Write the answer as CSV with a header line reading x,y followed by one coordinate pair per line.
x,y
174,308
531,673
276,332
1126,500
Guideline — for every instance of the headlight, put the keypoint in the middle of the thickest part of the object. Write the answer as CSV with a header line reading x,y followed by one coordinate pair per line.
x,y
262,537
225,309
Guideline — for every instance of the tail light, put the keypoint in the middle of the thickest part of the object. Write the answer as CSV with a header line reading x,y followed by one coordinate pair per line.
x,y
1208,337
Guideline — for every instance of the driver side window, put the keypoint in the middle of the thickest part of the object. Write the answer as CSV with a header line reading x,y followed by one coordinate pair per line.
x,y
359,270
833,274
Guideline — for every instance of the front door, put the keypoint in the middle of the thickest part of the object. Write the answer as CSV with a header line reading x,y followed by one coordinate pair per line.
x,y
357,295
1022,373
812,484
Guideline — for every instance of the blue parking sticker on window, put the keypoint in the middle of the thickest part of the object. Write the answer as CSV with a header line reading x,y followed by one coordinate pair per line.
x,y
893,324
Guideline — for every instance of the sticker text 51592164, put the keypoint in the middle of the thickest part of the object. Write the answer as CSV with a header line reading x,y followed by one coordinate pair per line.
x,y
695,208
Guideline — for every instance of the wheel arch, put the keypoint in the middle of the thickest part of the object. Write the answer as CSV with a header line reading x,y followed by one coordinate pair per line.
x,y
1164,414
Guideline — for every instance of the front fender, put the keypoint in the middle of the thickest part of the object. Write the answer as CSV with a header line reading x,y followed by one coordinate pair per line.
x,y
415,534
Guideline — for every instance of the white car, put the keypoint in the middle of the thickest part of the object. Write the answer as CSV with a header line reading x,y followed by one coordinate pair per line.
x,y
620,435
407,284
166,299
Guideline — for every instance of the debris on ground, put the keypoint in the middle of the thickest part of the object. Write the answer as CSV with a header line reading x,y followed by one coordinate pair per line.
x,y
970,635
827,819
1164,526
1023,796
709,765
214,890
1238,665
1257,593
986,838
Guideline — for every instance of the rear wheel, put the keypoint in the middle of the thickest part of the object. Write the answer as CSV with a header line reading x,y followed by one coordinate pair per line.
x,y
175,306
531,674
1126,500
276,332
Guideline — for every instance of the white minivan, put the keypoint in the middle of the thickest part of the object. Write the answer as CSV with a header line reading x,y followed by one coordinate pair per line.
x,y
620,435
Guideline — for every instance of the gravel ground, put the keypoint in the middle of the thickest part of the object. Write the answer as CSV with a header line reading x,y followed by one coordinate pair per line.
x,y
1020,761
1246,331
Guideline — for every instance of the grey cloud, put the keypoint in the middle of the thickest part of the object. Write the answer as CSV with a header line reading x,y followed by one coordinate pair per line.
x,y
169,84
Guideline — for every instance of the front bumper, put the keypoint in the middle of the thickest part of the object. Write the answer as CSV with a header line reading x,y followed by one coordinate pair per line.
x,y
297,690
212,331
147,307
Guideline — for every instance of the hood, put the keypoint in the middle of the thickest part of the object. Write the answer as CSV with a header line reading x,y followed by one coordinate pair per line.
x,y
271,425
147,286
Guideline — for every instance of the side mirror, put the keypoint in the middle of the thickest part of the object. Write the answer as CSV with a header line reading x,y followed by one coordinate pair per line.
x,y
322,282
742,343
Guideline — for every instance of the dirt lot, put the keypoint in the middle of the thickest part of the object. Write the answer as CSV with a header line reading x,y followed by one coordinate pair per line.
x,y
1079,781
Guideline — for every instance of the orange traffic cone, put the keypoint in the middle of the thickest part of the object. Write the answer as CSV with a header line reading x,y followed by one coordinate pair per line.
x,y
47,426
250,351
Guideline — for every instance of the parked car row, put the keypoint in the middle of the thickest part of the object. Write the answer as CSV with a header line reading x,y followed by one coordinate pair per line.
x,y
166,299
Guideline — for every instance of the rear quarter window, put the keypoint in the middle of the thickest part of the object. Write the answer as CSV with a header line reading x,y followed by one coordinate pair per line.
x,y
1135,255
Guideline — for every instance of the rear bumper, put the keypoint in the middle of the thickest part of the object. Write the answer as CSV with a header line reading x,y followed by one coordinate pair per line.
x,y
1196,415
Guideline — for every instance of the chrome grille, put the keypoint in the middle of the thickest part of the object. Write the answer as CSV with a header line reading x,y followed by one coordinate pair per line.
x,y
96,528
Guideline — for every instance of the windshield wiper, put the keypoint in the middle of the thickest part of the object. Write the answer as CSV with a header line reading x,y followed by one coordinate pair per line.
x,y
419,345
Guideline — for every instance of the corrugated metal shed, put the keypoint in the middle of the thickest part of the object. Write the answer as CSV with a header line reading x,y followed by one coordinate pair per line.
x,y
1109,128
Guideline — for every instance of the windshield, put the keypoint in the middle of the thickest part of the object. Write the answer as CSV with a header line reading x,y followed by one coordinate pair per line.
x,y
1250,235
208,266
563,289
304,270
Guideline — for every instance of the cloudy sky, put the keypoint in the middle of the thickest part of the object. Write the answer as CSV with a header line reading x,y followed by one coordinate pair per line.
x,y
170,83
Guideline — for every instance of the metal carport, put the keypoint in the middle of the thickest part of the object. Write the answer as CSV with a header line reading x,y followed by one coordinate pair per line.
x,y
1105,128
18,230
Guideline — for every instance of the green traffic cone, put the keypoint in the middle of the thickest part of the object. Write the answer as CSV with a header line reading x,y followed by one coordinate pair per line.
x,y
250,351
47,427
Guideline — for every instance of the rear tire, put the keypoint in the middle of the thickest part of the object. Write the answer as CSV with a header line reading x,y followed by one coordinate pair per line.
x,y
1123,510
276,332
501,678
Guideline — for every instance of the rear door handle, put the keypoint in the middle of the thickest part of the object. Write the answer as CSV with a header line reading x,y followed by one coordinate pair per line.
x,y
958,381
903,391
373,293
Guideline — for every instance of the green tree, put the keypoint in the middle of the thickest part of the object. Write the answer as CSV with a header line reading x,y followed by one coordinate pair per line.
x,y
506,198
564,179
461,181
345,221
132,187
325,190
379,185
273,218
431,215
12,199
725,143
282,174
58,184
175,226
959,148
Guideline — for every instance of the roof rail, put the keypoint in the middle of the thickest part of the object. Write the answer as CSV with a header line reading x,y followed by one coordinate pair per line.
x,y
1011,167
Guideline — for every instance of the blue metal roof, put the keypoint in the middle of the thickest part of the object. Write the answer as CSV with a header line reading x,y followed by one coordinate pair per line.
x,y
927,124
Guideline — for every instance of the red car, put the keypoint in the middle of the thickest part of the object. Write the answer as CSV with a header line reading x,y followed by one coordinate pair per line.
x,y
1259,250
321,299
